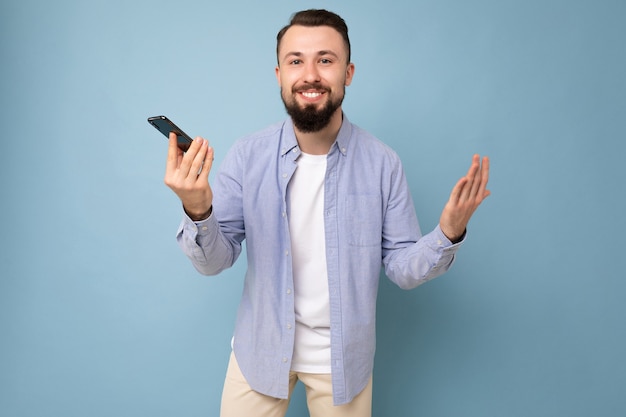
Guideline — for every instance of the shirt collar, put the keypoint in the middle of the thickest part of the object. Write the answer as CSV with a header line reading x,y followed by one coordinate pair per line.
x,y
343,137
289,143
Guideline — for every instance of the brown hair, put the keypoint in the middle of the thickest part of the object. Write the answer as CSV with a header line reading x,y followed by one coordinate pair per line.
x,y
316,17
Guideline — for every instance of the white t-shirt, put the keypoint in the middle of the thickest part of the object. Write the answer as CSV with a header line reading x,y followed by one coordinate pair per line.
x,y
308,248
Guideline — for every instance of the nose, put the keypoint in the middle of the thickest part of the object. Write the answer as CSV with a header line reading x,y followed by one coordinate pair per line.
x,y
311,74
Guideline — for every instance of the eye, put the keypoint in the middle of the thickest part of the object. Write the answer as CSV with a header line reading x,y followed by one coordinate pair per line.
x,y
296,62
325,61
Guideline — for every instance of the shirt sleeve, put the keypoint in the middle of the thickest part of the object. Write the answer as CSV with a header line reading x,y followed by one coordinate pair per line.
x,y
203,243
410,258
429,257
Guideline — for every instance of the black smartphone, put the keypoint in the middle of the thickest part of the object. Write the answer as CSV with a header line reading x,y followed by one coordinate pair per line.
x,y
165,126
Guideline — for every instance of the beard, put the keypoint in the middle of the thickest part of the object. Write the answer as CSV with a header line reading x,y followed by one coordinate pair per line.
x,y
308,118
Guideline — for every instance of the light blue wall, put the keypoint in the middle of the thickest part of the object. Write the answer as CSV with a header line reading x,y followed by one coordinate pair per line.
x,y
101,314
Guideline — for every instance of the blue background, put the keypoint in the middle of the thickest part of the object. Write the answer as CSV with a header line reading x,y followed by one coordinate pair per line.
x,y
102,315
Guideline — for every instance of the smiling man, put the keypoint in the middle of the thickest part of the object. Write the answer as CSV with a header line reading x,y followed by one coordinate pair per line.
x,y
313,80
322,205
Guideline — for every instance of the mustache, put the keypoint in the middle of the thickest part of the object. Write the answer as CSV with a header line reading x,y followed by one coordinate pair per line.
x,y
310,86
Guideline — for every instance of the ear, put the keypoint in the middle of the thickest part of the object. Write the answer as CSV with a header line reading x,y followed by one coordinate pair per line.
x,y
277,70
349,73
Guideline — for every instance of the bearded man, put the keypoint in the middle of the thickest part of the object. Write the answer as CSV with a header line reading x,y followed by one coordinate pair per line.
x,y
322,205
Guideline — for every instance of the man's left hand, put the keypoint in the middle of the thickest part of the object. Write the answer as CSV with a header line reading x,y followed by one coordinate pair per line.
x,y
465,198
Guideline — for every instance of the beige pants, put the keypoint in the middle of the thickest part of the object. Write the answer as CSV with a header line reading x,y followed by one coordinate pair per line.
x,y
239,400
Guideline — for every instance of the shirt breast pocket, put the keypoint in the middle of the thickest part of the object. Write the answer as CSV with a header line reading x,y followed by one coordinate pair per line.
x,y
364,220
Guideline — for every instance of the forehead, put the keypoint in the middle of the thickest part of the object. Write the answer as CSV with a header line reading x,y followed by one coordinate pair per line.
x,y
306,39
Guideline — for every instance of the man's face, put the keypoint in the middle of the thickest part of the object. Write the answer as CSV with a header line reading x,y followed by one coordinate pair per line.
x,y
312,73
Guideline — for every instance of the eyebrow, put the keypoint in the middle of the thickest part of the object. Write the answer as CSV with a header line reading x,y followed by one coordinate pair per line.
x,y
319,53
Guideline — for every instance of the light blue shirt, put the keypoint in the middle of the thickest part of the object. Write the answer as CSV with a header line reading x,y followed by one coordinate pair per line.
x,y
369,222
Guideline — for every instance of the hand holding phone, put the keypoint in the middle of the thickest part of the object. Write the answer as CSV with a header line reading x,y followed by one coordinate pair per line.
x,y
165,126
188,176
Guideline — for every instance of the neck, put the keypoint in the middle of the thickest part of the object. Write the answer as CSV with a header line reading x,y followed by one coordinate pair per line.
x,y
319,143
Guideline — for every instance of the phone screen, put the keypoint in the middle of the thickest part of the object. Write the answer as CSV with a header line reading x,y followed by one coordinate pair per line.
x,y
165,126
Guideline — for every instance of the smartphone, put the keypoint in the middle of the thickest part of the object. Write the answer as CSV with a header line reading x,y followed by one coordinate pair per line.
x,y
165,126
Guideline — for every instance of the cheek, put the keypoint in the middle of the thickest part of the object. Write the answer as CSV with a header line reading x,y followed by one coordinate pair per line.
x,y
335,78
286,80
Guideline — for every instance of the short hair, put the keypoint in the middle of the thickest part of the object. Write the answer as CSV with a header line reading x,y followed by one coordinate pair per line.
x,y
316,17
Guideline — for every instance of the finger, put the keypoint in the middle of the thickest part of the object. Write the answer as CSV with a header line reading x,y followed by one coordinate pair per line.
x,y
476,179
457,191
186,165
470,177
485,176
208,162
482,178
174,154
197,164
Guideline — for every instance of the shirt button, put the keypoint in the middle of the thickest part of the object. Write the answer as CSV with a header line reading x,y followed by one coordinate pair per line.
x,y
288,290
439,242
284,360
204,228
289,326
284,175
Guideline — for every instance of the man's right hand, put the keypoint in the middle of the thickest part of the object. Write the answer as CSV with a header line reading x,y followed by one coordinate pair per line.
x,y
187,174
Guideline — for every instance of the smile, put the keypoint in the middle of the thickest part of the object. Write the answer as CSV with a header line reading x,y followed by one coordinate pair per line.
x,y
311,95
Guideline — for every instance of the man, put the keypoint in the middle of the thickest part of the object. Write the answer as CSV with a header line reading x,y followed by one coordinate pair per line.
x,y
322,204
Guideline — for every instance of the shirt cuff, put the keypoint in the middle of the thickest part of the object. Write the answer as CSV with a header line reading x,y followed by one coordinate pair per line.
x,y
199,231
443,240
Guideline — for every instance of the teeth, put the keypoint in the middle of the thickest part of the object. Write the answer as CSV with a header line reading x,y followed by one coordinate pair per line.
x,y
311,95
